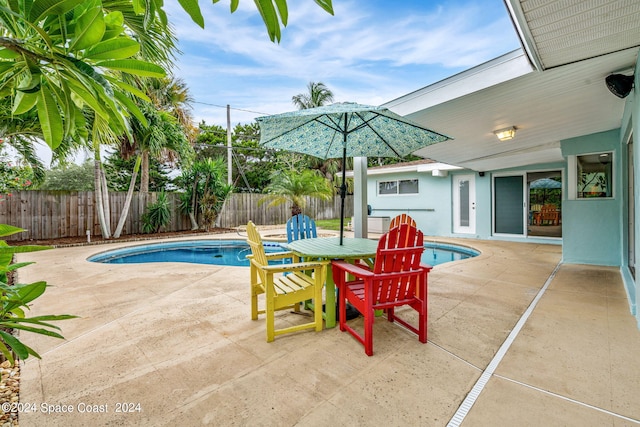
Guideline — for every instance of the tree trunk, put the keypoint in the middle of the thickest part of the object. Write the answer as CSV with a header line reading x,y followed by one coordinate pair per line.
x,y
98,195
194,223
127,202
144,174
105,202
194,205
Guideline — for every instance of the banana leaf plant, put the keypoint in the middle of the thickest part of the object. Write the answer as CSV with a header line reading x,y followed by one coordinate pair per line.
x,y
15,300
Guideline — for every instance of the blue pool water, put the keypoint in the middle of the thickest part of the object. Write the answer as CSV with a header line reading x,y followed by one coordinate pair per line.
x,y
234,252
439,253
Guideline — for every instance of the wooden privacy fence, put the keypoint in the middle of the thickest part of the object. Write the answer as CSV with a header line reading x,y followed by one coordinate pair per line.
x,y
239,208
56,214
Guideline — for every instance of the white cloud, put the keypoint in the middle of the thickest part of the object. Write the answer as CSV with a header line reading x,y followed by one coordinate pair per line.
x,y
364,53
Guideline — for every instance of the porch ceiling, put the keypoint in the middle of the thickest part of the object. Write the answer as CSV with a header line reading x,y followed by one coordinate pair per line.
x,y
557,33
573,45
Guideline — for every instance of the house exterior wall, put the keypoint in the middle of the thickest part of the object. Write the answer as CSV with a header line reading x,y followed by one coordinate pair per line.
x,y
431,207
595,231
592,228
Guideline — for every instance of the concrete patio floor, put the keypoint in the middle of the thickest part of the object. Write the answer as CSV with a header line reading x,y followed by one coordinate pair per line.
x,y
176,340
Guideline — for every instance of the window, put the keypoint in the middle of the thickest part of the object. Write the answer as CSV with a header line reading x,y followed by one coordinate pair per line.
x,y
388,187
595,175
403,186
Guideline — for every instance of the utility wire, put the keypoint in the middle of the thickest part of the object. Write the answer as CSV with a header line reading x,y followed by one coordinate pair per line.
x,y
237,136
201,145
232,108
246,182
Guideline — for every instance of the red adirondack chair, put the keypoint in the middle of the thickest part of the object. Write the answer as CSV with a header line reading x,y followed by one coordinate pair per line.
x,y
396,279
402,219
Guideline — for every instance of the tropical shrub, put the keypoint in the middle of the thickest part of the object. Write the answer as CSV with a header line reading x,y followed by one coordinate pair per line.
x,y
203,189
158,215
15,299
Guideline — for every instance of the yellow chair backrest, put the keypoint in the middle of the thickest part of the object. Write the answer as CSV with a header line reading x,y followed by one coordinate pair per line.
x,y
259,255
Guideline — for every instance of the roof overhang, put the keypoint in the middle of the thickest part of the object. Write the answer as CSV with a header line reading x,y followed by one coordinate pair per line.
x,y
410,167
551,90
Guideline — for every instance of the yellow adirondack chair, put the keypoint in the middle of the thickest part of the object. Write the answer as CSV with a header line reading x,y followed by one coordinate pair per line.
x,y
283,292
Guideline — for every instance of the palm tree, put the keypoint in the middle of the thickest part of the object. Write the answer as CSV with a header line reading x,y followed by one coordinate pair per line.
x,y
161,136
293,186
170,96
318,96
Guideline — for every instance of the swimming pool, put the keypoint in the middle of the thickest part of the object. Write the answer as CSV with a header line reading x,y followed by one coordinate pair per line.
x,y
234,252
215,252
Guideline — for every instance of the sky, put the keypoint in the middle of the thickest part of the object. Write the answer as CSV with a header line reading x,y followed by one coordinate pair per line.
x,y
369,52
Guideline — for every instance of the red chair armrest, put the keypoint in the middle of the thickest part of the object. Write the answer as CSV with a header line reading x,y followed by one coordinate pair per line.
x,y
426,267
355,270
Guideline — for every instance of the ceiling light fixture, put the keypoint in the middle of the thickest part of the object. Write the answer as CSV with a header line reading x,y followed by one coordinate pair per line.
x,y
506,133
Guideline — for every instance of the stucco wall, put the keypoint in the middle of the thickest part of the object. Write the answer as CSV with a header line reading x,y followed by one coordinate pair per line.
x,y
592,228
431,207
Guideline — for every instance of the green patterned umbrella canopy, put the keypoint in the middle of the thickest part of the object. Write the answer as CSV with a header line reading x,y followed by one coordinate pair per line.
x,y
364,130
546,183
344,130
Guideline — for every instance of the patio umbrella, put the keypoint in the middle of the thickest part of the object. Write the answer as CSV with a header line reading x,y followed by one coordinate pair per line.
x,y
545,184
344,130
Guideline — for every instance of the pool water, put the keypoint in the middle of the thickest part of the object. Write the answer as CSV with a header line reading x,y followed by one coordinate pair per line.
x,y
234,252
215,252
439,253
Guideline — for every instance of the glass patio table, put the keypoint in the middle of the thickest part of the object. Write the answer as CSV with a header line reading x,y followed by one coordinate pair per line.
x,y
329,248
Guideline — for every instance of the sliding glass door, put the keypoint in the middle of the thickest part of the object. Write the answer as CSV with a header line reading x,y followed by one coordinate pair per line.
x,y
508,205
528,204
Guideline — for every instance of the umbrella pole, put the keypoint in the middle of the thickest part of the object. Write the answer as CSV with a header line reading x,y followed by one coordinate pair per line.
x,y
343,187
343,194
343,191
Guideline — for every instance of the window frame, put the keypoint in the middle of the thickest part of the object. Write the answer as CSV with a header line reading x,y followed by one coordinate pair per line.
x,y
397,185
576,172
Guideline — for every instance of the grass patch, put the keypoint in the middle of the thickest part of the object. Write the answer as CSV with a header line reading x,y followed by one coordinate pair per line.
x,y
331,224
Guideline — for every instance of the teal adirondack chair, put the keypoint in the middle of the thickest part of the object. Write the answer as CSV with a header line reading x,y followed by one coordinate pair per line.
x,y
300,227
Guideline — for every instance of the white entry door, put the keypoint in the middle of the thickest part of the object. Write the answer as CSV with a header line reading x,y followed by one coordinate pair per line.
x,y
464,204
